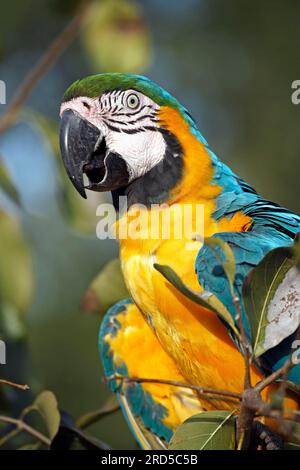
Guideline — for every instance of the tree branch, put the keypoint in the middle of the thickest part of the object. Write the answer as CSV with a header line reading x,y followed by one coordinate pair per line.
x,y
13,433
253,405
58,46
283,371
22,426
205,391
13,384
93,417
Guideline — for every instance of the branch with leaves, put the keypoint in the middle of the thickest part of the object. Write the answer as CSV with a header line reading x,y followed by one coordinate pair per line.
x,y
58,424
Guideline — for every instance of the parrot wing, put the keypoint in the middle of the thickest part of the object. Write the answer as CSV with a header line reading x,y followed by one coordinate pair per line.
x,y
130,349
272,227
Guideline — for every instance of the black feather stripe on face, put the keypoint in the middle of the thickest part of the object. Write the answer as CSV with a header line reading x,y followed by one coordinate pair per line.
x,y
130,121
118,117
155,186
134,113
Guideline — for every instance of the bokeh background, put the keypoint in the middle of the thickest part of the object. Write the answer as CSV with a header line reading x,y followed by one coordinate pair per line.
x,y
231,63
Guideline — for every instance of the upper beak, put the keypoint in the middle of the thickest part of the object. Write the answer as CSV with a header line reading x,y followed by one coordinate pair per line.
x,y
84,150
78,141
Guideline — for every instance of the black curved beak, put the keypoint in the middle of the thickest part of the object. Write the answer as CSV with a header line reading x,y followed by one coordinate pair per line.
x,y
78,141
83,150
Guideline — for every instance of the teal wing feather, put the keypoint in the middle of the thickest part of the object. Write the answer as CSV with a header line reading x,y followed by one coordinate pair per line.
x,y
272,227
143,414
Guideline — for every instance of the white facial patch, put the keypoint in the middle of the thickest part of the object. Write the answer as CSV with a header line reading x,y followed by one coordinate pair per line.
x,y
127,120
141,151
85,107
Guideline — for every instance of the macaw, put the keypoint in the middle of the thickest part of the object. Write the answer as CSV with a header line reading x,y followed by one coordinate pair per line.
x,y
129,136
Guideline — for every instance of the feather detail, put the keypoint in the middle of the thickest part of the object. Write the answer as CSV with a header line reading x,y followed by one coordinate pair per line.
x,y
129,348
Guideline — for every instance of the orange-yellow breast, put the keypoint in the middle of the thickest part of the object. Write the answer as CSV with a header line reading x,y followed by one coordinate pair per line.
x,y
194,337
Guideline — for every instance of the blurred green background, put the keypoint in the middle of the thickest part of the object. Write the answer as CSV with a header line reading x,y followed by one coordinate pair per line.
x,y
230,63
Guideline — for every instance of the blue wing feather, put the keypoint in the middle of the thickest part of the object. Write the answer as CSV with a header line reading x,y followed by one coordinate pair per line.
x,y
273,226
139,402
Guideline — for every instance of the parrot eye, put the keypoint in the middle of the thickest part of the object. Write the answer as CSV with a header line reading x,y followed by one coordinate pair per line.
x,y
133,101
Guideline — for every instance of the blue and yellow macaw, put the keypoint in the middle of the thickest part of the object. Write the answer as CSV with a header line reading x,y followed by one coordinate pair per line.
x,y
131,137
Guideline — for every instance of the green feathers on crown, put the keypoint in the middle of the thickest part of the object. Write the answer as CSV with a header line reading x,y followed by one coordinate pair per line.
x,y
96,85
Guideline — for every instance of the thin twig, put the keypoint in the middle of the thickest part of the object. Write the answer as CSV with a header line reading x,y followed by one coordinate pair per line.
x,y
244,342
263,408
246,416
253,405
13,384
287,366
274,414
22,426
13,433
58,46
199,389
290,385
93,417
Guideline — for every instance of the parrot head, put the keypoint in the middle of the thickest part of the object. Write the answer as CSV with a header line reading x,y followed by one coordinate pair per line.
x,y
115,129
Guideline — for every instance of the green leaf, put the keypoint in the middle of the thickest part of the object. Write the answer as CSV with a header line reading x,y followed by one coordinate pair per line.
x,y
46,405
34,446
116,37
210,430
16,280
109,407
229,265
7,186
106,289
70,438
271,294
206,299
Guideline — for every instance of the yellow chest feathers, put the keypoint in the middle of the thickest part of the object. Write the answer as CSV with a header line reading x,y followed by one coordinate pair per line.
x,y
170,235
191,335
